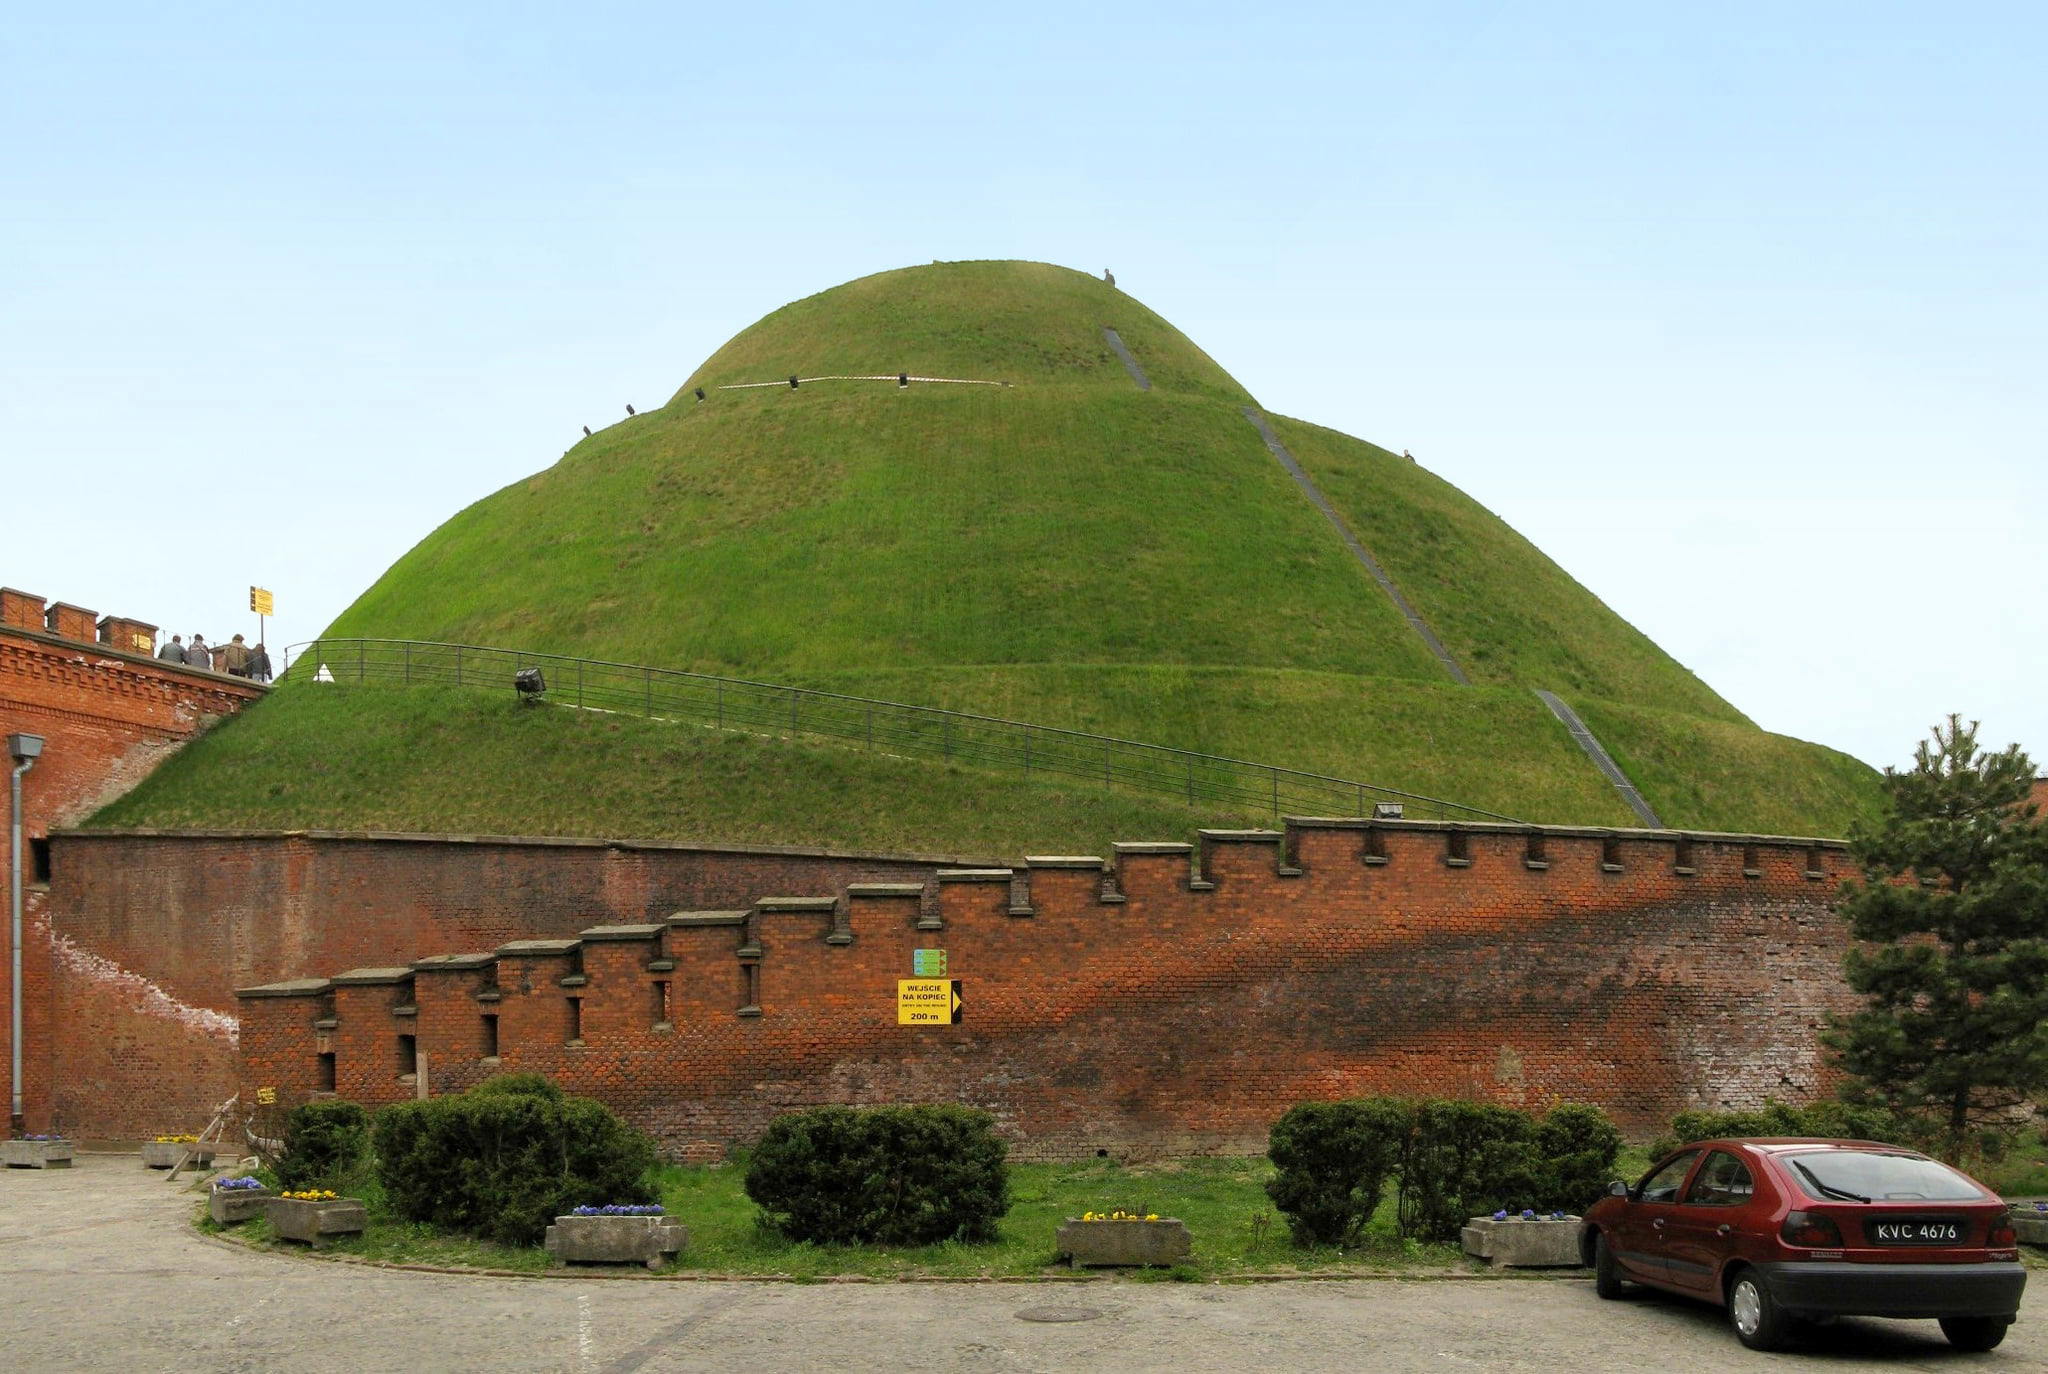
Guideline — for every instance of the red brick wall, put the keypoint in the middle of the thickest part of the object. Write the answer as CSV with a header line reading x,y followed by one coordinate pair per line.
x,y
1134,1009
154,931
108,718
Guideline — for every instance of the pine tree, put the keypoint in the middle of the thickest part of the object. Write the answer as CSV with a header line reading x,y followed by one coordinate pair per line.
x,y
1952,917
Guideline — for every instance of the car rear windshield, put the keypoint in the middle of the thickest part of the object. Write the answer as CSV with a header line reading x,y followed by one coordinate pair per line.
x,y
1849,1175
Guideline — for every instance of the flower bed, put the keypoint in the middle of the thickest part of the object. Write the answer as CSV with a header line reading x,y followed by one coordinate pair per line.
x,y
166,1151
234,1200
36,1152
616,1234
1125,1239
315,1216
1524,1240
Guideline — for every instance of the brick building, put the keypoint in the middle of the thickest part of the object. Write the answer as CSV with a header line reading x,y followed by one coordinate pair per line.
x,y
110,712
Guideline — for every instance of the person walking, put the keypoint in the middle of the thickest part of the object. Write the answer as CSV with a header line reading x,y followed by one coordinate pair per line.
x,y
259,664
235,658
197,654
173,650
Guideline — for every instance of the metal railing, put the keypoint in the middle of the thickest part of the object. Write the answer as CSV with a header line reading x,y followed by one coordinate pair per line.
x,y
887,727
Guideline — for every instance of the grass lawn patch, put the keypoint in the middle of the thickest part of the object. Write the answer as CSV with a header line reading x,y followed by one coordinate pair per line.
x,y
1222,1200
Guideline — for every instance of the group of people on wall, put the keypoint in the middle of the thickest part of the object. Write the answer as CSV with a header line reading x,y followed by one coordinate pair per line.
x,y
233,658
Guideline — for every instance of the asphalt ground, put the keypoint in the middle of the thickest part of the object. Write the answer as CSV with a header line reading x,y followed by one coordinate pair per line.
x,y
100,1269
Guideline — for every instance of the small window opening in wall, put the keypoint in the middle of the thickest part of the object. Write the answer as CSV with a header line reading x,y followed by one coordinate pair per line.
x,y
575,1020
408,1054
1610,855
1534,855
490,1046
1682,858
1750,868
323,1073
1375,845
1457,849
660,1001
39,862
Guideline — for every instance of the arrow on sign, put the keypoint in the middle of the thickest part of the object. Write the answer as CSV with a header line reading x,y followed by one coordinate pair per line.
x,y
958,1003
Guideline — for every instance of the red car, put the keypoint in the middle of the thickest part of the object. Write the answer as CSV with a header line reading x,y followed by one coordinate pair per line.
x,y
1784,1230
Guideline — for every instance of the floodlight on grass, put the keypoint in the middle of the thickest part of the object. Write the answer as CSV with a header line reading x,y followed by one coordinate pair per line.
x,y
1387,811
528,683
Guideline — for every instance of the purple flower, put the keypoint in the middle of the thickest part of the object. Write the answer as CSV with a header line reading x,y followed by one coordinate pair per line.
x,y
1501,1215
1528,1214
621,1209
245,1181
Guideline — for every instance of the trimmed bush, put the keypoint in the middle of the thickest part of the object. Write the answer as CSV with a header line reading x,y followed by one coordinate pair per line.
x,y
1462,1159
504,1159
1827,1117
1331,1163
1448,1161
1576,1146
324,1144
881,1175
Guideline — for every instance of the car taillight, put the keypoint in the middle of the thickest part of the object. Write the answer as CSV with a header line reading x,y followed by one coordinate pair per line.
x,y
2002,1237
1811,1230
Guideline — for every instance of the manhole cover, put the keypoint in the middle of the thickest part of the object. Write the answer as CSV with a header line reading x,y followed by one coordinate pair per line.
x,y
1058,1314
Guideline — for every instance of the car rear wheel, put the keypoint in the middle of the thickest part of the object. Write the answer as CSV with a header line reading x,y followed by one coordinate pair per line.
x,y
1975,1333
1758,1322
1606,1269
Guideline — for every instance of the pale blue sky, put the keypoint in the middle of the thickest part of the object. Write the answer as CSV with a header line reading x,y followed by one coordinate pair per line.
x,y
1739,315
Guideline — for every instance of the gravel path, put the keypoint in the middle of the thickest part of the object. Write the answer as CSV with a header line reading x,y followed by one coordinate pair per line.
x,y
98,1270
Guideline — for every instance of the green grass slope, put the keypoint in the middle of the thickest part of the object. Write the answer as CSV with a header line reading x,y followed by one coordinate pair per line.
x,y
444,759
1066,550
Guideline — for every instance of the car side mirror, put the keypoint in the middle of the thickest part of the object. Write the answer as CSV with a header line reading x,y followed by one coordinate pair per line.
x,y
1617,1189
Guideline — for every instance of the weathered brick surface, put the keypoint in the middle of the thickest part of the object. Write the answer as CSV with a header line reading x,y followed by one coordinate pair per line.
x,y
1136,1011
155,931
108,717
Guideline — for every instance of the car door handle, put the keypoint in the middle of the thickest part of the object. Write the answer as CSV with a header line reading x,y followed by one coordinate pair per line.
x,y
1658,1223
1723,1229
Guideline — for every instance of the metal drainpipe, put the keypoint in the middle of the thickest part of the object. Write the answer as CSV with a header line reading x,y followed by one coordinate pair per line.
x,y
14,944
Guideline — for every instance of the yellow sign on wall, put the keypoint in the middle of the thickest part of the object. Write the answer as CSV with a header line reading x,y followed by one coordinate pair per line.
x,y
928,1002
260,601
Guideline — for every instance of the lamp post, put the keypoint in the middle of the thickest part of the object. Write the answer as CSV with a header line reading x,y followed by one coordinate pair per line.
x,y
25,750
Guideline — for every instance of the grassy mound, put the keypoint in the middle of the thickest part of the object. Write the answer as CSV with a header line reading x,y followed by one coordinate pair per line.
x,y
1066,550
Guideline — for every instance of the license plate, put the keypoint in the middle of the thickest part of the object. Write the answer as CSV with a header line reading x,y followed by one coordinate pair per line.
x,y
1915,1231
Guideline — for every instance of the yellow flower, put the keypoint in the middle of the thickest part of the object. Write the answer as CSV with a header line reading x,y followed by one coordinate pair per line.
x,y
1152,1216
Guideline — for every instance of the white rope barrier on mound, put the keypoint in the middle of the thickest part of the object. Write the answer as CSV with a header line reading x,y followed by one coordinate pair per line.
x,y
891,377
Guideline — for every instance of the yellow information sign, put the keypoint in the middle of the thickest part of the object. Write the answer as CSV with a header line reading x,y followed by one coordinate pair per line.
x,y
928,1002
260,601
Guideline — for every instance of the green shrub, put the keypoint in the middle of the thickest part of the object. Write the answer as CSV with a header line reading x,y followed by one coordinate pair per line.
x,y
325,1143
504,1159
1449,1161
1575,1146
1462,1159
1827,1117
881,1175
1331,1162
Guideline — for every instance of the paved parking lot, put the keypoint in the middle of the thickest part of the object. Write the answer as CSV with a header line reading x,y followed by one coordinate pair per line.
x,y
98,1270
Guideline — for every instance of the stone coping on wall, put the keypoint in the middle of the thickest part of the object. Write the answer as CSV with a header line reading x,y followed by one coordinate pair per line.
x,y
953,868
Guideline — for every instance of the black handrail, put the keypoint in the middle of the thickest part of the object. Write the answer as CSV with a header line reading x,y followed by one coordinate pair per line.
x,y
893,727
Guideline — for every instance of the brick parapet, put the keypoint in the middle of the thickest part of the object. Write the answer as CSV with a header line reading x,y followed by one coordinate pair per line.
x,y
108,718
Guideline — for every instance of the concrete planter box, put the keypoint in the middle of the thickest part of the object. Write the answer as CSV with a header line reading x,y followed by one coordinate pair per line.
x,y
36,1154
1130,1243
615,1240
2031,1225
165,1154
1513,1244
232,1206
316,1223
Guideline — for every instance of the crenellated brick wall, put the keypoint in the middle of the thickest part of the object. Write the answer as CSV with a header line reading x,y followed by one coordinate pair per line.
x,y
1162,1001
109,713
154,930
